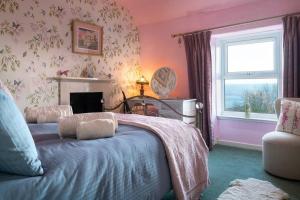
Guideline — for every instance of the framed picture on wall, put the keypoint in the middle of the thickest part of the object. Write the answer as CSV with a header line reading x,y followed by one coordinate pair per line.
x,y
87,38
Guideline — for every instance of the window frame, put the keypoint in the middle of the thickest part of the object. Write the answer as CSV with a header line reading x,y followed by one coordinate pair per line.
x,y
223,43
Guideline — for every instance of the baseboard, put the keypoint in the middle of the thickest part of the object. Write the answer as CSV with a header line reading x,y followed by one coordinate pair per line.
x,y
239,145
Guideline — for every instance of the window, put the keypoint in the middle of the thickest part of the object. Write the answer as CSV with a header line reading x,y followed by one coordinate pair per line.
x,y
250,74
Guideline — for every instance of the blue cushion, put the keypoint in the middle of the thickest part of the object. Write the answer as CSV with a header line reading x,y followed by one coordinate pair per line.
x,y
18,154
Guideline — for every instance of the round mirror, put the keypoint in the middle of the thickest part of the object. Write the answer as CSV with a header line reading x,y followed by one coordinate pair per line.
x,y
163,82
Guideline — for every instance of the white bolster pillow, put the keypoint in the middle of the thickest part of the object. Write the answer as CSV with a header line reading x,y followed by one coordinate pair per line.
x,y
49,116
98,128
47,113
68,125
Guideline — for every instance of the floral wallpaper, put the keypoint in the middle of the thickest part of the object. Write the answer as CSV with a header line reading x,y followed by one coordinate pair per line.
x,y
36,42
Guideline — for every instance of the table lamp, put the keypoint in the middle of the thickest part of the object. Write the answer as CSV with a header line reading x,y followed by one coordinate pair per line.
x,y
142,81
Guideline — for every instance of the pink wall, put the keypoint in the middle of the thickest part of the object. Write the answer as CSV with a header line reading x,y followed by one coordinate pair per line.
x,y
242,131
159,49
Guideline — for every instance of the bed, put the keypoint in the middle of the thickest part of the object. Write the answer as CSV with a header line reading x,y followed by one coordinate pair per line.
x,y
131,165
141,161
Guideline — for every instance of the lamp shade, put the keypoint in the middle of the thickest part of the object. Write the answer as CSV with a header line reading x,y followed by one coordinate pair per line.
x,y
142,81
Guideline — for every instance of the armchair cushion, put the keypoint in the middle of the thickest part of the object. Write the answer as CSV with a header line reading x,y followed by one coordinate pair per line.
x,y
296,125
287,116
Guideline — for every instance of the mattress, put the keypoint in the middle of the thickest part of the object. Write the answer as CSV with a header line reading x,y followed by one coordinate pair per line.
x,y
130,165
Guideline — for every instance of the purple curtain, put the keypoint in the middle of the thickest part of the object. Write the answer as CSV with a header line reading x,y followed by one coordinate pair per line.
x,y
198,54
291,49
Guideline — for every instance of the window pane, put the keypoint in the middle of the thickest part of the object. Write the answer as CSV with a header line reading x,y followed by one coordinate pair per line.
x,y
260,94
251,57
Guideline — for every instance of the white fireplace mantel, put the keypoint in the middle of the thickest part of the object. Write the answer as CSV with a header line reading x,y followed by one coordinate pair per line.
x,y
79,79
79,84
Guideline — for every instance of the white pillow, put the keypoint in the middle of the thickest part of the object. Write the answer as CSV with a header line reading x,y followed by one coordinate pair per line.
x,y
31,114
94,129
47,113
287,116
49,116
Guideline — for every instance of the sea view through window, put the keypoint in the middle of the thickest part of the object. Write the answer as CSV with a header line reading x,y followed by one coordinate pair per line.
x,y
250,67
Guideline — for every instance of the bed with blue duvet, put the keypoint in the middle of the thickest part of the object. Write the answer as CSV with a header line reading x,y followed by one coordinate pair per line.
x,y
130,165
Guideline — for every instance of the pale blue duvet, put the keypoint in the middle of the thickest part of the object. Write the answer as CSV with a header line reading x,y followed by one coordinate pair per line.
x,y
131,165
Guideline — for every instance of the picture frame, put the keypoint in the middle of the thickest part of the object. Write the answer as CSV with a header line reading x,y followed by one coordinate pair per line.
x,y
87,38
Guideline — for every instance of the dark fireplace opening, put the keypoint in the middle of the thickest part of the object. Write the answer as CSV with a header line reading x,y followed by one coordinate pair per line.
x,y
84,102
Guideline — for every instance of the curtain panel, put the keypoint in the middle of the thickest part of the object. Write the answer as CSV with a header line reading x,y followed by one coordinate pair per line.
x,y
291,51
198,54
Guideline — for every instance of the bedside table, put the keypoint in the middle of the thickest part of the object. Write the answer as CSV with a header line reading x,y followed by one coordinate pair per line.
x,y
184,106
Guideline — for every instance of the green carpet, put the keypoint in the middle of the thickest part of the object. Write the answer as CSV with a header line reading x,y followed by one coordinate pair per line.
x,y
228,163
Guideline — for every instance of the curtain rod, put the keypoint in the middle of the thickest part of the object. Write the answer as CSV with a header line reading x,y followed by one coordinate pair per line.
x,y
231,25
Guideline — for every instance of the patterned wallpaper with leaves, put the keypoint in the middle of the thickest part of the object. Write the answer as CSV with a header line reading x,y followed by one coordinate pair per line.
x,y
36,42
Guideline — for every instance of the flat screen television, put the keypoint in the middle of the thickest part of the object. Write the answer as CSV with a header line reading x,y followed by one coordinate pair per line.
x,y
85,102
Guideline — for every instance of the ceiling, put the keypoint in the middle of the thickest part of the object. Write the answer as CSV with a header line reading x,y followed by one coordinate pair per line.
x,y
153,11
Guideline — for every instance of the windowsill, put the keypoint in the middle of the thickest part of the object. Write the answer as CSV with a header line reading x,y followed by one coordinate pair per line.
x,y
255,120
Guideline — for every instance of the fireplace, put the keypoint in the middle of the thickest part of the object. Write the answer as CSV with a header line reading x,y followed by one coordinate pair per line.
x,y
84,102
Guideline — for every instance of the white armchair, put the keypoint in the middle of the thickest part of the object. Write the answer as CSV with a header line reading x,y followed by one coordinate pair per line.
x,y
281,151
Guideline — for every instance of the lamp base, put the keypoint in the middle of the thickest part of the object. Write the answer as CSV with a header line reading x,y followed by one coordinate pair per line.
x,y
142,91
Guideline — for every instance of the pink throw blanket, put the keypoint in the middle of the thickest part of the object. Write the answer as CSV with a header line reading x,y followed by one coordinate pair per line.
x,y
185,149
